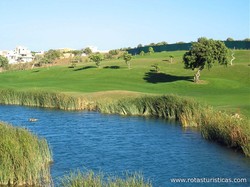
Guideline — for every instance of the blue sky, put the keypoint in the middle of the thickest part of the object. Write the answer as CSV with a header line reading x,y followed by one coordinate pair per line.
x,y
111,24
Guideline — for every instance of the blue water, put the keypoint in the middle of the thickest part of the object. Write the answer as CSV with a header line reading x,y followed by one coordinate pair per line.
x,y
114,144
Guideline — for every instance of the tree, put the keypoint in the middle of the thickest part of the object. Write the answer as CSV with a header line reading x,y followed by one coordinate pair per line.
x,y
162,43
114,52
142,53
139,45
151,50
156,67
77,52
127,57
205,52
247,40
52,55
4,62
97,58
230,39
171,58
87,51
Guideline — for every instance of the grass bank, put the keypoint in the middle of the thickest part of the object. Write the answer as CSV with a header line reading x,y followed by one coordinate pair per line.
x,y
225,88
24,158
44,99
87,179
230,130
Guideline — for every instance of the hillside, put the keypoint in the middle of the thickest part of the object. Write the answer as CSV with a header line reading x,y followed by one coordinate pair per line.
x,y
223,87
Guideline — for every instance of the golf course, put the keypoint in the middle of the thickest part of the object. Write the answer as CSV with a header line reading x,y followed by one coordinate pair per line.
x,y
226,88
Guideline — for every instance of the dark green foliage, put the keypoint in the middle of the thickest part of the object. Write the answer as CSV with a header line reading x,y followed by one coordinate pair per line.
x,y
114,52
97,58
139,45
162,43
77,52
205,52
51,55
4,62
87,51
127,57
230,39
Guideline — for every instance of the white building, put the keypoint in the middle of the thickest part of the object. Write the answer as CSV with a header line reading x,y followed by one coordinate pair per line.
x,y
19,54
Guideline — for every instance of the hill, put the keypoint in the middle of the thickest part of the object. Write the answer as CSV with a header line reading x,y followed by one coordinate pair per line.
x,y
226,88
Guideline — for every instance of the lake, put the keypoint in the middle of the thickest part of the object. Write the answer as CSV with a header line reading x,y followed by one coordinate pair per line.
x,y
114,144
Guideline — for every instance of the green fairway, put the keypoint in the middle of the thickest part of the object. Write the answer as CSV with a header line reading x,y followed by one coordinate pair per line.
x,y
223,87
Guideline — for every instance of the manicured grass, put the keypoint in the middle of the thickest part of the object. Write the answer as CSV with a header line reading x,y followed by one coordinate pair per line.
x,y
226,88
24,158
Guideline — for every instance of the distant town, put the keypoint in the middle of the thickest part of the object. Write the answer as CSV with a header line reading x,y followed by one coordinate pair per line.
x,y
22,54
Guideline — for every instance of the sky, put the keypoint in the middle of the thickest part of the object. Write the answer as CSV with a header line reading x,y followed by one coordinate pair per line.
x,y
113,24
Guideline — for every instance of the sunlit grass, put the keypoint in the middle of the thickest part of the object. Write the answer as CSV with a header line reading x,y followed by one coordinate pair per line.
x,y
24,158
90,179
226,88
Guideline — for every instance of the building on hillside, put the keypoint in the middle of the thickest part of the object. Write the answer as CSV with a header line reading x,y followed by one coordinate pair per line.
x,y
96,50
18,55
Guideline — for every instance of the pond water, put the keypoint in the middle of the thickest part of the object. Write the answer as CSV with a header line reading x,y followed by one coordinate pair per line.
x,y
114,144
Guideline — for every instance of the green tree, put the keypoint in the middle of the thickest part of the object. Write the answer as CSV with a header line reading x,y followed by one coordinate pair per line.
x,y
162,43
156,67
4,63
77,52
43,60
230,39
151,50
139,45
52,55
87,51
114,52
142,53
97,58
127,57
171,58
205,52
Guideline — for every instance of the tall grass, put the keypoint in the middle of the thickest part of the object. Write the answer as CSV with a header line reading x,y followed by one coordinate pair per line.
x,y
41,98
226,129
214,125
24,158
167,106
218,126
87,179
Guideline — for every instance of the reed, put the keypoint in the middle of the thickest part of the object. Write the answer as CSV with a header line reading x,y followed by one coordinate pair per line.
x,y
81,179
168,106
229,130
41,98
24,158
232,131
214,125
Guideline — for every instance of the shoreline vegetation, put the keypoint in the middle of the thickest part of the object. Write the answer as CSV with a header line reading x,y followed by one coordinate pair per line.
x,y
24,158
89,178
232,131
